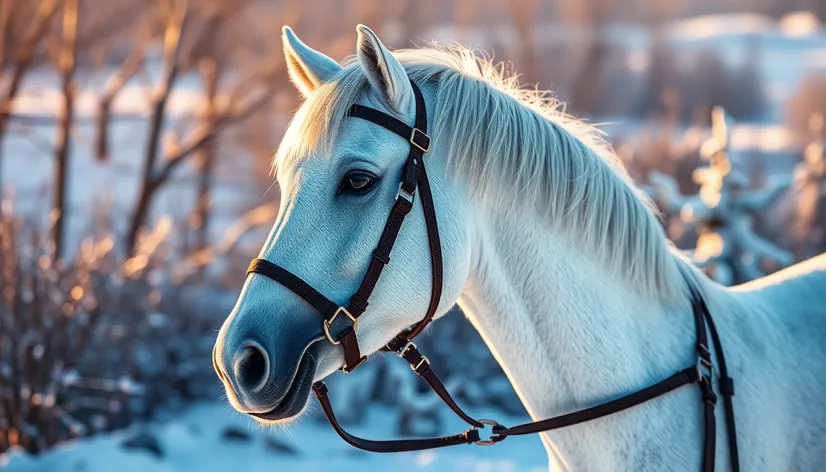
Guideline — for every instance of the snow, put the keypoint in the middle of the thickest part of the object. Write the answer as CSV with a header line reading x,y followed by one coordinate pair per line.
x,y
707,26
193,442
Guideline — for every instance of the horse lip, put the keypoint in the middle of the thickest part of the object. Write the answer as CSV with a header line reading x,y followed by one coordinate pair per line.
x,y
296,397
298,393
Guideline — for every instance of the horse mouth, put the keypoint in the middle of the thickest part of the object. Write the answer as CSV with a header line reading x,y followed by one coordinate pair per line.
x,y
297,395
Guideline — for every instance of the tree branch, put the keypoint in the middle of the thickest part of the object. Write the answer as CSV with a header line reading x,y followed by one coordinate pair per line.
x,y
206,132
175,15
67,62
113,88
25,53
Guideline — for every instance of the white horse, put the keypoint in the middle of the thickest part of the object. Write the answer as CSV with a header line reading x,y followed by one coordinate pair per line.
x,y
549,249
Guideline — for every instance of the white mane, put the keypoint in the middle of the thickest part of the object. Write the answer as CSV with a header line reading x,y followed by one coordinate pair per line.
x,y
518,148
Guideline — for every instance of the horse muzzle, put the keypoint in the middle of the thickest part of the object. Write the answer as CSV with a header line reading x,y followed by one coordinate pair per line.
x,y
266,383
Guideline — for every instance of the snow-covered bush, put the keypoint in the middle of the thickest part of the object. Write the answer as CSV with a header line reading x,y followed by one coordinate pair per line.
x,y
91,344
723,212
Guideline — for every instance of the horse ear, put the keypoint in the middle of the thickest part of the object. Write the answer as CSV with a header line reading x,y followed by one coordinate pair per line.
x,y
385,73
307,67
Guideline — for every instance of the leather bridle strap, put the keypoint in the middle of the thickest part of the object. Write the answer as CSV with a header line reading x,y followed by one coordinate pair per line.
x,y
681,378
414,176
298,286
435,256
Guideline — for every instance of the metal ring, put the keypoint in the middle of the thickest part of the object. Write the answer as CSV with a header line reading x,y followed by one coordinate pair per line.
x,y
491,441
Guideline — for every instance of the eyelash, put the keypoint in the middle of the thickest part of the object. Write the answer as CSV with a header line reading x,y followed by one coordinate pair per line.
x,y
346,186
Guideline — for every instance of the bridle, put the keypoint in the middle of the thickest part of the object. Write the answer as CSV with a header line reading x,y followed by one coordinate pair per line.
x,y
414,178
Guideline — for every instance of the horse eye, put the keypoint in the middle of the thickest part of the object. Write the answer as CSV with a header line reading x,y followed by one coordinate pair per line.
x,y
357,182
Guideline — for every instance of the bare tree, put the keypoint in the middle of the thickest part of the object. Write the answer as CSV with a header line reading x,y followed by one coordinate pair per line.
x,y
67,62
211,63
175,15
211,72
26,50
247,96
114,86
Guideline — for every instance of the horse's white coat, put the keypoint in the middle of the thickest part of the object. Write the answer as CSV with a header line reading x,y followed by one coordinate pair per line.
x,y
552,254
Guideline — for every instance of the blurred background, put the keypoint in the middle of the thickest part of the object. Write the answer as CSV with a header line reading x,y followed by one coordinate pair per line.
x,y
135,147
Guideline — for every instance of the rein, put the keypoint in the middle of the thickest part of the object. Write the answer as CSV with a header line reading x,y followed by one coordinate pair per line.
x,y
414,178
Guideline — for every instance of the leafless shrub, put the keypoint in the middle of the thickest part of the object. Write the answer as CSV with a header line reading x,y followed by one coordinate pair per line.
x,y
94,343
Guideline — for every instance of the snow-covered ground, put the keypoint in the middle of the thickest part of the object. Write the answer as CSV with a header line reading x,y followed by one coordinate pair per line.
x,y
196,441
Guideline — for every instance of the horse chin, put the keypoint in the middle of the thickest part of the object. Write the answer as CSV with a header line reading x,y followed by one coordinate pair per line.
x,y
294,402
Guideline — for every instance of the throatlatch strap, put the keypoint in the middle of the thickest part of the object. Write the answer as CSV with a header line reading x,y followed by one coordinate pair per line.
x,y
435,256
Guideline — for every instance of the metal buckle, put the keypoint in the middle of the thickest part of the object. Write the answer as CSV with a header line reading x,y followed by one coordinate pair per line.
x,y
410,197
422,147
404,349
704,369
487,442
423,361
328,323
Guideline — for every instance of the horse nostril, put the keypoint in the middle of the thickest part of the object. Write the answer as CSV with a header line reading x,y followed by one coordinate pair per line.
x,y
252,367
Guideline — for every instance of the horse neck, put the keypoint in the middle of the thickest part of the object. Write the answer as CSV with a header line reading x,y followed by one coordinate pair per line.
x,y
568,332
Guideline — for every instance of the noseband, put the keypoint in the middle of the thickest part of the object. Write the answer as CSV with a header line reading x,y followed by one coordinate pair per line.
x,y
414,178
